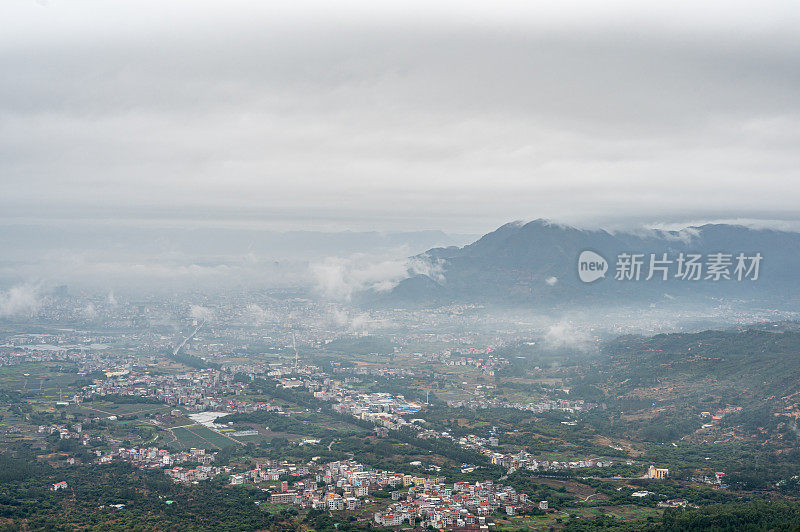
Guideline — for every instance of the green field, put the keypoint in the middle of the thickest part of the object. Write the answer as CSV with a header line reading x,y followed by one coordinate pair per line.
x,y
214,437
48,377
200,437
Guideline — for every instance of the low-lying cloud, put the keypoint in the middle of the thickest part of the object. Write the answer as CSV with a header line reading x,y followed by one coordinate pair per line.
x,y
201,313
339,278
350,320
21,300
565,335
256,315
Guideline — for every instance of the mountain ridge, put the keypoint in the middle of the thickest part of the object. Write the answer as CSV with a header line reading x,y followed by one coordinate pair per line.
x,y
535,263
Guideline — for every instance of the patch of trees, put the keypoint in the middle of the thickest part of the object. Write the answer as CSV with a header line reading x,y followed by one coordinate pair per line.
x,y
192,361
128,399
279,423
754,515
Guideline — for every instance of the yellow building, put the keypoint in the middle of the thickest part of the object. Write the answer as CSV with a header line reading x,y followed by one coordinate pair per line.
x,y
654,472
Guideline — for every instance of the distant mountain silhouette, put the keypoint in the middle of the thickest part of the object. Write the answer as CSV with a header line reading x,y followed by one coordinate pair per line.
x,y
536,264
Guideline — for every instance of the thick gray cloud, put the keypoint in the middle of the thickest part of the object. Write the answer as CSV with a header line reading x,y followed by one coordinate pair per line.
x,y
456,115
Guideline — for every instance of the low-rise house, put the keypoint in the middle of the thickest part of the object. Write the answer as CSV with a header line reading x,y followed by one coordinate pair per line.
x,y
59,486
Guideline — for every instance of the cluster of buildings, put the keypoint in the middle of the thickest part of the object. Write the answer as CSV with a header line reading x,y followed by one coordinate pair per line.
x,y
351,478
66,432
269,471
195,474
381,371
386,411
717,479
512,461
464,506
69,346
547,405
721,412
673,503
335,486
15,357
383,409
88,350
487,363
343,485
197,390
525,460
155,458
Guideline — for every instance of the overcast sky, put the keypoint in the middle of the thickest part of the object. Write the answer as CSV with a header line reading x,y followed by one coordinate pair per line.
x,y
398,115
